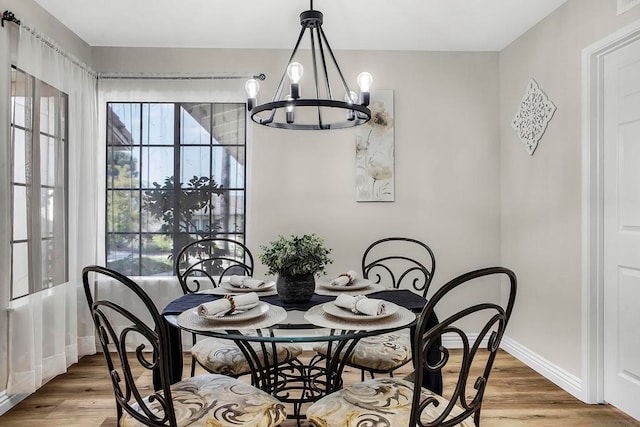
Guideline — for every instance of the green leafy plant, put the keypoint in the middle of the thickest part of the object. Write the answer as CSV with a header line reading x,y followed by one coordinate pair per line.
x,y
295,255
177,206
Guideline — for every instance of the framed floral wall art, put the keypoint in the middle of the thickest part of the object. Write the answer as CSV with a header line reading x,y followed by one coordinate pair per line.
x,y
374,151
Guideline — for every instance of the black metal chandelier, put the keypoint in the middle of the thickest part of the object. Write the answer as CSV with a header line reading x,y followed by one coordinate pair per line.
x,y
292,111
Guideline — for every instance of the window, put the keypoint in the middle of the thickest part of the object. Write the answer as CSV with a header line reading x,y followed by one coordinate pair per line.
x,y
39,237
150,217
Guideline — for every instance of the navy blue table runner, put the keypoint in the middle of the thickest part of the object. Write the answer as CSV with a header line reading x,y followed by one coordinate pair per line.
x,y
401,297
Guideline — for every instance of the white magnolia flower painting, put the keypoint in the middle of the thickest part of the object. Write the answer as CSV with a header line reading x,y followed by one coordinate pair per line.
x,y
374,151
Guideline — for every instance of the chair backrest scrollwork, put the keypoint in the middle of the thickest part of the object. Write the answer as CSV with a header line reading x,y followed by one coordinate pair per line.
x,y
399,262
205,262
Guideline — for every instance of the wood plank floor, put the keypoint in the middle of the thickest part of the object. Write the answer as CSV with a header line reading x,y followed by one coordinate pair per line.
x,y
516,396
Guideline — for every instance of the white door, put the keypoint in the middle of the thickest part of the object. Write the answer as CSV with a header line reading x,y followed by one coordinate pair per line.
x,y
622,229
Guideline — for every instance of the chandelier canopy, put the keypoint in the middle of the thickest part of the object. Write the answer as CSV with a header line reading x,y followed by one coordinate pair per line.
x,y
292,110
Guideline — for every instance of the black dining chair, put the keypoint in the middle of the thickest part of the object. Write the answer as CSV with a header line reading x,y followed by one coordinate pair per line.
x,y
135,342
203,264
398,402
396,263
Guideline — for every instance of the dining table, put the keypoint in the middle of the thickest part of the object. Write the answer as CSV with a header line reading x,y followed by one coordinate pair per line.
x,y
314,321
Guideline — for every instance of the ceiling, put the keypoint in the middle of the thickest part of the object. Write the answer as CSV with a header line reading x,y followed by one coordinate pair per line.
x,y
439,25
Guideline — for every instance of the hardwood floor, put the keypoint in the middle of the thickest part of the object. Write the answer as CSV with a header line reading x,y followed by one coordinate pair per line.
x,y
516,396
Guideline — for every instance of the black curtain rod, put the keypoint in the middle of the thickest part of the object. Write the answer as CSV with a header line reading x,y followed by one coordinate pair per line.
x,y
125,76
7,15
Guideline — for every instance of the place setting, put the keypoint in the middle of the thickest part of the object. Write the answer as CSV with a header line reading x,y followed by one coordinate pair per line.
x,y
348,283
242,311
236,284
358,312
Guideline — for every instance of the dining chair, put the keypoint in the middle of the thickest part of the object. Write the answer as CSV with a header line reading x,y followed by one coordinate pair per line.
x,y
396,263
142,344
478,323
204,264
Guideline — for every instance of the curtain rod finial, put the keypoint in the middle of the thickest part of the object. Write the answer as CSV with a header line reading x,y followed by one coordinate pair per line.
x,y
9,16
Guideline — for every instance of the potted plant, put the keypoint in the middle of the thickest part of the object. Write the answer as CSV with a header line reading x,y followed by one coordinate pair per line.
x,y
295,260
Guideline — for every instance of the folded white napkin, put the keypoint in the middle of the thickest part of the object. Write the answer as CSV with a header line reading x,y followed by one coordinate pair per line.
x,y
345,279
245,282
361,304
222,306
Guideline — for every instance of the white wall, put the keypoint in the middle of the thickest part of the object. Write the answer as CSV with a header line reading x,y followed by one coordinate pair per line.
x,y
541,194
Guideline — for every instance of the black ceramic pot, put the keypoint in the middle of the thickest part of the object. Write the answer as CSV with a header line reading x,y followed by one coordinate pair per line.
x,y
295,288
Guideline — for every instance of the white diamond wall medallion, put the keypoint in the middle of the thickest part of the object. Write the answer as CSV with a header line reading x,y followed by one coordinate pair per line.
x,y
532,117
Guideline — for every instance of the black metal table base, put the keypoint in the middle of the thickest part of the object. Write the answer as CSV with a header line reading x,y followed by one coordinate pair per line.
x,y
298,383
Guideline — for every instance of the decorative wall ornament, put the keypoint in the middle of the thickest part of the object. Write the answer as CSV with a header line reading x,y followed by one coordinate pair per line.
x,y
533,115
374,151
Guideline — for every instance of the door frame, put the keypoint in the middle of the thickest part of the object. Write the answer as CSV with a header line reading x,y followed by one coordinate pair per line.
x,y
593,58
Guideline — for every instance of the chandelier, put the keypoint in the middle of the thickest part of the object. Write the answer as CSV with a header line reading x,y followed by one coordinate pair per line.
x,y
292,110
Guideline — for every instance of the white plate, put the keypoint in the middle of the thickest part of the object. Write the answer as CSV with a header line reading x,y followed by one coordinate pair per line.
x,y
228,286
358,284
343,313
257,311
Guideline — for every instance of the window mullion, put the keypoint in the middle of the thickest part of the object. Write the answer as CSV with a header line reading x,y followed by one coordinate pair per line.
x,y
140,191
34,183
176,180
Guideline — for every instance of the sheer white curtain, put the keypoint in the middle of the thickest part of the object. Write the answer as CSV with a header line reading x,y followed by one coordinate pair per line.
x,y
49,330
5,200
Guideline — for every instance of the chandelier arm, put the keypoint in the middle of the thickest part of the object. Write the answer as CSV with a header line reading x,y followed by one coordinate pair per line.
x,y
324,66
278,94
335,62
315,72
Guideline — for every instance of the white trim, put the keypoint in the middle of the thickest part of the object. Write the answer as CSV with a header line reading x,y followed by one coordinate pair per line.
x,y
451,340
592,202
624,5
563,379
8,402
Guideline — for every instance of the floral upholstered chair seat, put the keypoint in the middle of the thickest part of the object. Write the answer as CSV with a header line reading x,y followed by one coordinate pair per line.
x,y
225,357
216,400
385,352
384,402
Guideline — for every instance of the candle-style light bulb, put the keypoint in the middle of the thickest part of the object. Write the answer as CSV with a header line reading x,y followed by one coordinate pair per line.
x,y
295,72
252,87
289,109
364,81
351,98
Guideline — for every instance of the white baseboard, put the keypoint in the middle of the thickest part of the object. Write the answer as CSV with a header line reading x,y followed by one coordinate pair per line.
x,y
8,402
453,341
563,379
